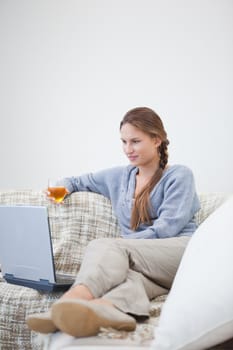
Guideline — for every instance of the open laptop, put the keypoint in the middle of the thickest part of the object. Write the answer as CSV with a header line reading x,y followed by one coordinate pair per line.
x,y
26,254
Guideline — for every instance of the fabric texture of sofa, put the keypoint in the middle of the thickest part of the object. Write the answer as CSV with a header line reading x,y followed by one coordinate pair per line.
x,y
83,217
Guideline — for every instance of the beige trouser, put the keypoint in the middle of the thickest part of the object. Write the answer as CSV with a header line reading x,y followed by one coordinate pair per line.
x,y
130,272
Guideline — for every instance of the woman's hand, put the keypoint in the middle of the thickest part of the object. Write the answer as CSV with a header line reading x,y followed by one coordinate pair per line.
x,y
56,195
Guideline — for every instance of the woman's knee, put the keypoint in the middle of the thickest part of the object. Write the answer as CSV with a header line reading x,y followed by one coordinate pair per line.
x,y
97,242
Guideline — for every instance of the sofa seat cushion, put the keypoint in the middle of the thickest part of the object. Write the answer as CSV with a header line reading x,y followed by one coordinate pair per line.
x,y
16,303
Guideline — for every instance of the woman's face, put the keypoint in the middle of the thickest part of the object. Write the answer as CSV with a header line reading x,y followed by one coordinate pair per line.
x,y
140,148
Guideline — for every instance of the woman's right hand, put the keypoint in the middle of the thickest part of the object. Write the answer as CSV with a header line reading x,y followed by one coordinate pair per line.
x,y
57,194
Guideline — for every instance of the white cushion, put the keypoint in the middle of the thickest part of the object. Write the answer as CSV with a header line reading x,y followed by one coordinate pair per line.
x,y
198,312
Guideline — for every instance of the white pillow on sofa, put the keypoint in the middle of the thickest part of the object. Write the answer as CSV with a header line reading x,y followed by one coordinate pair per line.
x,y
198,312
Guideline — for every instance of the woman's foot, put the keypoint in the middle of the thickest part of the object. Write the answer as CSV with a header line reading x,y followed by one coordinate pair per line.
x,y
41,322
81,318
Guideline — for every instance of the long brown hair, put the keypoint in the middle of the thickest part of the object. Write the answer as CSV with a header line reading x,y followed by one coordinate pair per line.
x,y
150,123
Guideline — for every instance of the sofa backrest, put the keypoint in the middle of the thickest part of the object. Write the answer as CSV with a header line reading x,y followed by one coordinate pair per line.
x,y
83,217
209,202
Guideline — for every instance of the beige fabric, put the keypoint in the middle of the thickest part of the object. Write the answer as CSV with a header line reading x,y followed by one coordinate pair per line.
x,y
85,216
135,270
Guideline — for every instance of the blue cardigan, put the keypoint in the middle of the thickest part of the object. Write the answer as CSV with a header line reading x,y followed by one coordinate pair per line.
x,y
174,201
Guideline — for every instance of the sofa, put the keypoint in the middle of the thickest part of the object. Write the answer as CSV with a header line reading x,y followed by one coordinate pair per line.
x,y
83,217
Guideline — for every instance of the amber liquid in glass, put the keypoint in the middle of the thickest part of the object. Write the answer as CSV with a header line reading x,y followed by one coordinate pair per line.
x,y
57,193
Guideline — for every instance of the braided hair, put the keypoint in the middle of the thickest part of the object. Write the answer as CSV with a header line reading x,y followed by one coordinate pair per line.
x,y
149,122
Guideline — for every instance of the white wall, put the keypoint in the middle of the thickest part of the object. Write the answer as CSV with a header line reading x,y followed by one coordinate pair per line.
x,y
70,69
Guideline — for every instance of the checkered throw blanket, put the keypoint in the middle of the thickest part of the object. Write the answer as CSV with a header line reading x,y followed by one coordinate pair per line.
x,y
83,217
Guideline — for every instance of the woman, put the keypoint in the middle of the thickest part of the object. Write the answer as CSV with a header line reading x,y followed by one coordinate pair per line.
x,y
155,205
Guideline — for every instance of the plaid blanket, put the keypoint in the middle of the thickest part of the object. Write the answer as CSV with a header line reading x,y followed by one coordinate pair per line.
x,y
83,217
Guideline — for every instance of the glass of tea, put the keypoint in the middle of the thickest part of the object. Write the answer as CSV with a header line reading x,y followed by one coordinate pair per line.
x,y
57,190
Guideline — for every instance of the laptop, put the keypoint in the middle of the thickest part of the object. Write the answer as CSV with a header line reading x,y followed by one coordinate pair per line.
x,y
26,254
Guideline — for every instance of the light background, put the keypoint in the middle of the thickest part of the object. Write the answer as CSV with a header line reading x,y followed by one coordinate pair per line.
x,y
70,69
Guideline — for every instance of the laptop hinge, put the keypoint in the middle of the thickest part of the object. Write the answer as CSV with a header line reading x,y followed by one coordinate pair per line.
x,y
43,281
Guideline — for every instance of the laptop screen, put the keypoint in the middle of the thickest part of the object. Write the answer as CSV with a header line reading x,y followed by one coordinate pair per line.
x,y
25,243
